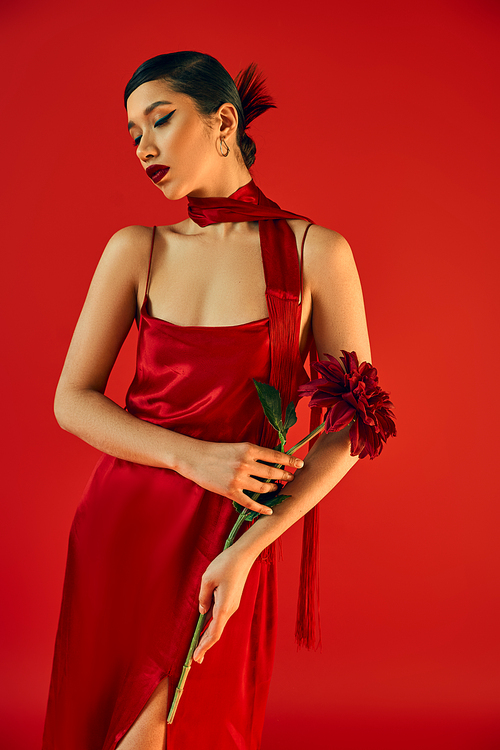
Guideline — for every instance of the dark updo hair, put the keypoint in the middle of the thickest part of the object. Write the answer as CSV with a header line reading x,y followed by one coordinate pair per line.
x,y
208,83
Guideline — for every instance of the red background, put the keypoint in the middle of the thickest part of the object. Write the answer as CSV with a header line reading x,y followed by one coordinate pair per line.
x,y
387,131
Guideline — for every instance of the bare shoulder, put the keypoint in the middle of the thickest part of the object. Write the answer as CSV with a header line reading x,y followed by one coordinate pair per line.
x,y
126,256
323,249
321,238
132,233
332,288
130,243
324,241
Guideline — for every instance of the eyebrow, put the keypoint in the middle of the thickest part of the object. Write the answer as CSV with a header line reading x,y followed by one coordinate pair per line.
x,y
148,111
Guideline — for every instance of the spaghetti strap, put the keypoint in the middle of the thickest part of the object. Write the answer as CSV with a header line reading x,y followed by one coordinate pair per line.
x,y
302,262
148,280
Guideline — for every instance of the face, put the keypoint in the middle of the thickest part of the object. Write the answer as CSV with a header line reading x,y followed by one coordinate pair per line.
x,y
174,135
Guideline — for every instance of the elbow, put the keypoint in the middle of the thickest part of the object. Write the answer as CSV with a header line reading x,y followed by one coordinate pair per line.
x,y
74,407
60,411
63,408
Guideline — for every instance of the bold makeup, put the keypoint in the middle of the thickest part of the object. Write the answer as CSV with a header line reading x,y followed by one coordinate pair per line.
x,y
157,172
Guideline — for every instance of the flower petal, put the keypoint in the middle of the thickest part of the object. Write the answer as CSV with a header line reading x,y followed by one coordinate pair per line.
x,y
350,360
350,392
331,372
339,416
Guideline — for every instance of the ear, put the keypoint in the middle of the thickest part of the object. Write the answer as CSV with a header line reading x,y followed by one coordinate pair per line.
x,y
227,119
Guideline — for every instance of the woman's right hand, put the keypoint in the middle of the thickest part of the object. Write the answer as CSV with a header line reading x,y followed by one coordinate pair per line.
x,y
229,468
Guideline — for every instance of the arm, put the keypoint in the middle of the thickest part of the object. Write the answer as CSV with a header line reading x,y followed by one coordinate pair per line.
x,y
338,322
82,408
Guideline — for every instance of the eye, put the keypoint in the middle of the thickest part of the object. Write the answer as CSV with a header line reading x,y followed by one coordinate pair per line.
x,y
162,121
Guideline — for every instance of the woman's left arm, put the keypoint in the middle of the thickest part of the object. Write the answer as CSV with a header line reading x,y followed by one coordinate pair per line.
x,y
338,322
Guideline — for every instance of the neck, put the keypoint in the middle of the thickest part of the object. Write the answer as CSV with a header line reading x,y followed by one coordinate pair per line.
x,y
223,184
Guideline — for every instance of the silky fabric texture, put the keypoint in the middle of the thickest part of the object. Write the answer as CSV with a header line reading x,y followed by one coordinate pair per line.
x,y
142,537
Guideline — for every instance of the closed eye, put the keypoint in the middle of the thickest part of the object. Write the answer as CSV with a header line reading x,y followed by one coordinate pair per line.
x,y
161,121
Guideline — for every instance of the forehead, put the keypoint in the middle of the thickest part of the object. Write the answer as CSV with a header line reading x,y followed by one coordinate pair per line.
x,y
150,92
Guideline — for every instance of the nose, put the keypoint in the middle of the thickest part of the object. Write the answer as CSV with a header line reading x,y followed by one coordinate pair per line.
x,y
146,148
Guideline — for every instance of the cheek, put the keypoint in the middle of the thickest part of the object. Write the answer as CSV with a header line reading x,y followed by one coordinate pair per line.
x,y
196,140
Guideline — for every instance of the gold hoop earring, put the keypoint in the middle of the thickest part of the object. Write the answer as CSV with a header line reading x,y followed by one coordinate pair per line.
x,y
221,142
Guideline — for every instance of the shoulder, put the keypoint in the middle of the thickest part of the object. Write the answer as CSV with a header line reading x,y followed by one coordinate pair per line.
x,y
132,245
130,242
319,236
322,247
127,252
327,245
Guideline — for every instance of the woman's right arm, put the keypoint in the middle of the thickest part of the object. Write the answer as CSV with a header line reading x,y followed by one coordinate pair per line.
x,y
82,408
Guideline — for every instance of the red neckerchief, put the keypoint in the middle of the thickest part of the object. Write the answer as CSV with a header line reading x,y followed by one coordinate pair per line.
x,y
283,283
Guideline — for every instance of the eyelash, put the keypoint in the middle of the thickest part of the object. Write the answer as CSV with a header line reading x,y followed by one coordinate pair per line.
x,y
161,121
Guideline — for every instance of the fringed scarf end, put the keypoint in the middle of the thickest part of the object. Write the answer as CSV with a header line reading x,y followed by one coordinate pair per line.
x,y
273,553
308,625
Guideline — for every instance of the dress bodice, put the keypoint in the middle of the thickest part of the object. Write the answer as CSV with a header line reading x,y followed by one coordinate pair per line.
x,y
197,380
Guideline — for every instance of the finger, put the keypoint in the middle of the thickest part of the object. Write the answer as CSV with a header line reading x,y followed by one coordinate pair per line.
x,y
247,502
276,457
208,639
205,598
254,484
212,634
270,472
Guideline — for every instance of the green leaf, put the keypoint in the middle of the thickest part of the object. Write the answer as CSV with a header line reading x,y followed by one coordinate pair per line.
x,y
271,403
290,416
277,500
274,500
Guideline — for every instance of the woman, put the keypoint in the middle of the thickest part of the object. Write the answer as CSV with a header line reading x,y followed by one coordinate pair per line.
x,y
232,293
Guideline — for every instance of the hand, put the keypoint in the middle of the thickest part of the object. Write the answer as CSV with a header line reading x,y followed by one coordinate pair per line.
x,y
221,589
229,468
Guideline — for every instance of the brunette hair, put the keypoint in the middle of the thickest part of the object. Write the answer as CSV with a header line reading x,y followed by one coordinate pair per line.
x,y
208,83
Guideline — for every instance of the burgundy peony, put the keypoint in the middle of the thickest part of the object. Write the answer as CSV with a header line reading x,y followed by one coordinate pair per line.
x,y
352,393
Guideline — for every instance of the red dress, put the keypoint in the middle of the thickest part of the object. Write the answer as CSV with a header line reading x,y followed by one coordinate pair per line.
x,y
140,540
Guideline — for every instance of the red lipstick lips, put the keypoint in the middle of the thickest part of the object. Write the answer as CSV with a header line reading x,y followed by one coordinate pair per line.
x,y
157,172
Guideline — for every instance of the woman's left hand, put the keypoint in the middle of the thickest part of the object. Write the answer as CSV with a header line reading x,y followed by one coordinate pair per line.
x,y
221,589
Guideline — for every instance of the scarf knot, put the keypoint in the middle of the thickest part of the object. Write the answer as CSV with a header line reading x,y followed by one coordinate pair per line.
x,y
248,203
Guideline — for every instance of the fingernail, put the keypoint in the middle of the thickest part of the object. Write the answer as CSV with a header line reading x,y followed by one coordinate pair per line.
x,y
268,511
202,609
288,476
299,462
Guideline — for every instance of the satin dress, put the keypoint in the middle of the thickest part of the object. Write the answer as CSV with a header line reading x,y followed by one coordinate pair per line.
x,y
139,543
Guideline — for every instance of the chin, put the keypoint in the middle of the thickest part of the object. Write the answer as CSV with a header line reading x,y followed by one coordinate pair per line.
x,y
172,192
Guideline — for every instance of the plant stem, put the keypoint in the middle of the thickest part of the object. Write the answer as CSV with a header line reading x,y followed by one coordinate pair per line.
x,y
234,530
256,495
186,668
229,541
305,440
